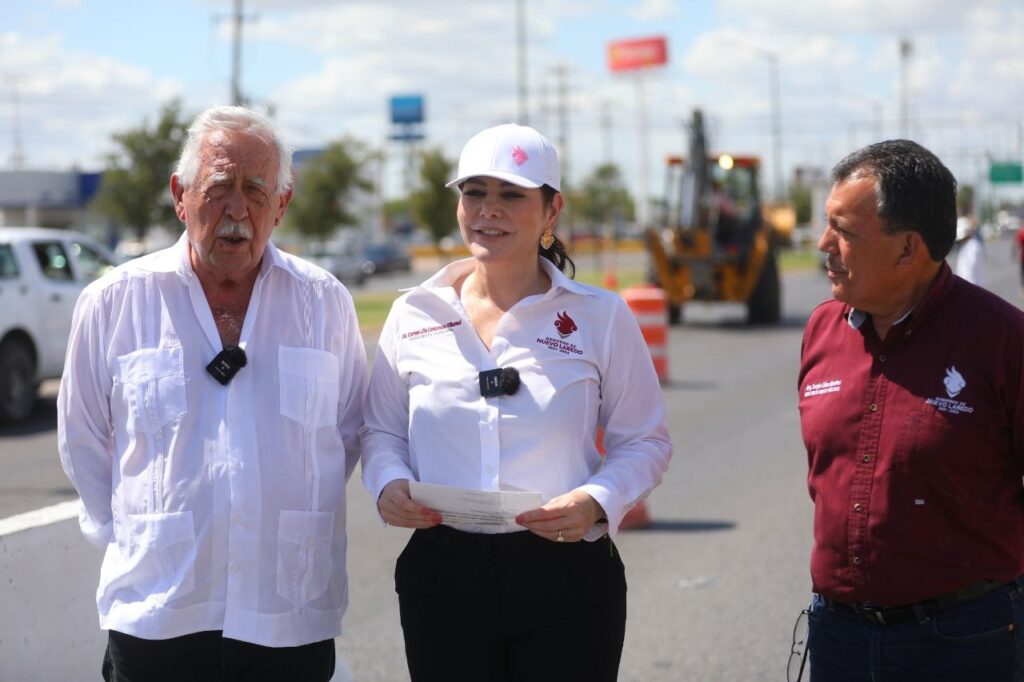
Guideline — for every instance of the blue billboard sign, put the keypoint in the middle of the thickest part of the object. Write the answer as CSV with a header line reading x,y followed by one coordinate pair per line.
x,y
407,109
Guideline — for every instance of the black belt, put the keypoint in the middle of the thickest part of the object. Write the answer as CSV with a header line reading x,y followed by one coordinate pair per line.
x,y
911,613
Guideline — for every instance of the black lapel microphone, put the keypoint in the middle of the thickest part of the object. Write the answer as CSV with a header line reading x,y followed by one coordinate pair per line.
x,y
495,382
225,366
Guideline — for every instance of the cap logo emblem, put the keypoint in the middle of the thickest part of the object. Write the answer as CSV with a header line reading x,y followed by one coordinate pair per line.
x,y
519,155
564,324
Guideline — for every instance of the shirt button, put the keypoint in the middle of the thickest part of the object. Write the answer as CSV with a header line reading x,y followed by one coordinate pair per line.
x,y
857,507
236,518
856,561
873,407
866,458
232,568
882,358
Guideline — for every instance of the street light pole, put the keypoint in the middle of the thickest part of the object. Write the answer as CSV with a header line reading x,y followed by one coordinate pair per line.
x,y
776,105
236,57
906,48
524,112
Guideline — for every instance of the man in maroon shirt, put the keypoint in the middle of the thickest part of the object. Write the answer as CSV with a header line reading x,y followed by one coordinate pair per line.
x,y
912,411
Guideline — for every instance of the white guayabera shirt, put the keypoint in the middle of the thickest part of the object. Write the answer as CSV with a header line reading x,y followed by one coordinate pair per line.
x,y
220,507
582,362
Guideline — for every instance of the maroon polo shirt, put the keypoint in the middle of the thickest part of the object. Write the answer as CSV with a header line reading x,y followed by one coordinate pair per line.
x,y
915,446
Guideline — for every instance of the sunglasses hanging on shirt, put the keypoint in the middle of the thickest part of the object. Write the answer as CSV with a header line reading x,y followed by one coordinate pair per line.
x,y
225,366
495,382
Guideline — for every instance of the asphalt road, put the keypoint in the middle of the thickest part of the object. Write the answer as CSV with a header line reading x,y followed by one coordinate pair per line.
x,y
714,585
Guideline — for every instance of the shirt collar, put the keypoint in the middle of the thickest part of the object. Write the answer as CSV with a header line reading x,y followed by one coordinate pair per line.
x,y
451,273
939,286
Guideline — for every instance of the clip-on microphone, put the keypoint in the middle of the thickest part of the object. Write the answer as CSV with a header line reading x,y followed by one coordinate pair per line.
x,y
225,366
495,382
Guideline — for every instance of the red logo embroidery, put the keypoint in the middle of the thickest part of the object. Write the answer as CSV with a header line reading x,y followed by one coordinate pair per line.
x,y
565,324
519,155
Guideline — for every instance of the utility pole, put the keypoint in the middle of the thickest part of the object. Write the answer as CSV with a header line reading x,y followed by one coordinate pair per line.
x,y
906,48
236,57
524,109
543,118
237,18
606,130
776,104
562,75
17,151
643,201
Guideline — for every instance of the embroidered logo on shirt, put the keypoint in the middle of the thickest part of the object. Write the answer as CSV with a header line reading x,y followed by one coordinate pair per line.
x,y
434,330
954,382
822,387
564,324
563,347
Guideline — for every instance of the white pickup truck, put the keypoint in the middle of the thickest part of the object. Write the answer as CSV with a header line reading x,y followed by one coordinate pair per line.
x,y
42,272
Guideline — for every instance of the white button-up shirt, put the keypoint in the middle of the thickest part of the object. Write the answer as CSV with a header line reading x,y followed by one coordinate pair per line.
x,y
220,507
582,362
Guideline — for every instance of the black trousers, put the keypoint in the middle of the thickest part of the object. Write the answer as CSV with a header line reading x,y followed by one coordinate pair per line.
x,y
504,608
211,657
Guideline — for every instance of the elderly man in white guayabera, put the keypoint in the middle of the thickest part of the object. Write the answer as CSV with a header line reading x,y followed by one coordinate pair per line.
x,y
208,417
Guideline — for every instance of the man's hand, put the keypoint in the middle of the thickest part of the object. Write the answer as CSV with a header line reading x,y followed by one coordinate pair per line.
x,y
397,508
573,513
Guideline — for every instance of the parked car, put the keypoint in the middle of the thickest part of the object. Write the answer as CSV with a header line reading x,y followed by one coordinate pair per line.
x,y
348,269
41,274
386,257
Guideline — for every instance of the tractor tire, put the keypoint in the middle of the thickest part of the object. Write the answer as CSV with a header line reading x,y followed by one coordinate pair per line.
x,y
765,303
17,384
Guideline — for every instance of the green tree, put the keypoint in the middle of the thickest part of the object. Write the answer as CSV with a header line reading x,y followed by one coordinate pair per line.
x,y
134,191
800,197
965,199
325,187
433,204
603,197
397,213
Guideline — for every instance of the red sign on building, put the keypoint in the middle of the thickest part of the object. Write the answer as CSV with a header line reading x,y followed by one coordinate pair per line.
x,y
639,53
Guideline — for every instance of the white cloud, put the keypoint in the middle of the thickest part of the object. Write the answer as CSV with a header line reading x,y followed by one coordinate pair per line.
x,y
653,10
849,16
70,102
838,61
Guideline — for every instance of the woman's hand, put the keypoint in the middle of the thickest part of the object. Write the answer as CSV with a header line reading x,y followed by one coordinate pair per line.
x,y
567,516
397,508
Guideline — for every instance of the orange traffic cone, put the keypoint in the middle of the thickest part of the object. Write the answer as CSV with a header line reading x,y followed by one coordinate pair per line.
x,y
637,517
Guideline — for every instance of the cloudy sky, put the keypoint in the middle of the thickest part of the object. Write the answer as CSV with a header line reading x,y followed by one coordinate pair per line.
x,y
73,71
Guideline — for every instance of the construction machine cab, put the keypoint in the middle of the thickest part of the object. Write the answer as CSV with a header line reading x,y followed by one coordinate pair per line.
x,y
713,243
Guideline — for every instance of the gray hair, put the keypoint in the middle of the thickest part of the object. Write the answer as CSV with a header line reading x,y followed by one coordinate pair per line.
x,y
238,119
913,190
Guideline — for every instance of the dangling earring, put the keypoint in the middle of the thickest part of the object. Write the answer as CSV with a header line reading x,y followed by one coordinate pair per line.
x,y
547,239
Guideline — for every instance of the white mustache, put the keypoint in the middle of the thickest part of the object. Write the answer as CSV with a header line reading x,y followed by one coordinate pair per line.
x,y
234,230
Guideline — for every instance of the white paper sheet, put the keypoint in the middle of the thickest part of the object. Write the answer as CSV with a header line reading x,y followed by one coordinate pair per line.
x,y
478,507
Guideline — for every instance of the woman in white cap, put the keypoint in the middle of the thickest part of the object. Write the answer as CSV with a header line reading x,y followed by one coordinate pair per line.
x,y
494,375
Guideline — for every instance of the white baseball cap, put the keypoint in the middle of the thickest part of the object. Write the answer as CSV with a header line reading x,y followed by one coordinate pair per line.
x,y
513,153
